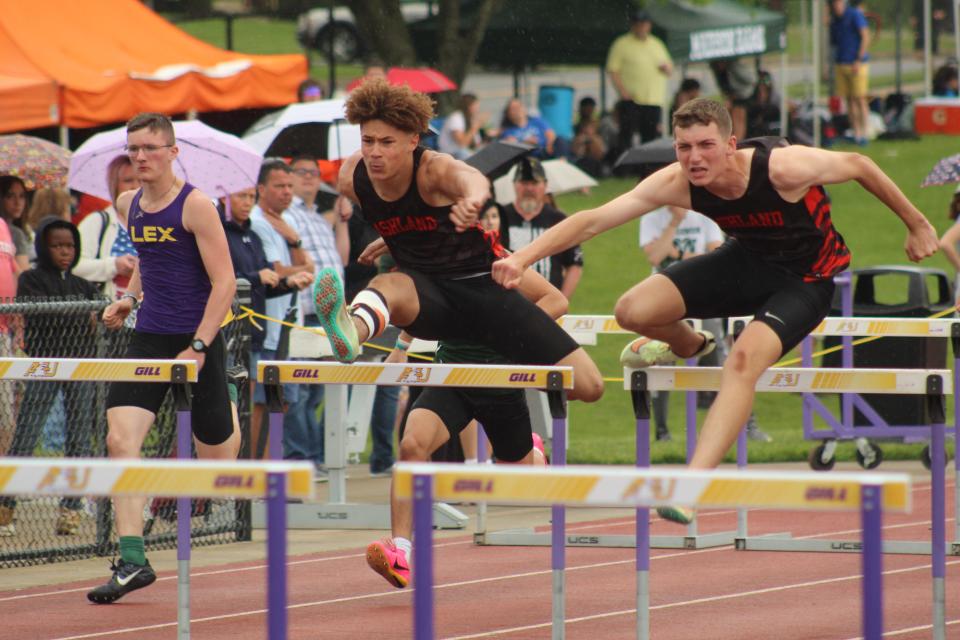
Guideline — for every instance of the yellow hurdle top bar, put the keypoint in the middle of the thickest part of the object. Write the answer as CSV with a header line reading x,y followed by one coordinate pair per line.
x,y
578,324
90,370
888,327
607,486
416,374
181,478
800,380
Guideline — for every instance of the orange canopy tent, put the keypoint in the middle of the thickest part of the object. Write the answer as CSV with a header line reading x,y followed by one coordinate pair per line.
x,y
110,59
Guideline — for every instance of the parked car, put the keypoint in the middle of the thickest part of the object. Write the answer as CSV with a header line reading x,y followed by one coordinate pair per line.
x,y
315,31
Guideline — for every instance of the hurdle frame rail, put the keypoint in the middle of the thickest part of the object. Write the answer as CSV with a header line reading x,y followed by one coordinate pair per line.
x,y
846,328
931,383
274,373
585,329
642,488
187,479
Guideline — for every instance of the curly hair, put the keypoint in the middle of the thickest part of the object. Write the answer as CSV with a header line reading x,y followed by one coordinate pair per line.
x,y
399,106
703,111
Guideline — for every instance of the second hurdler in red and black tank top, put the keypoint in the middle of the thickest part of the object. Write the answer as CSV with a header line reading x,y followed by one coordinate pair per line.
x,y
798,236
422,237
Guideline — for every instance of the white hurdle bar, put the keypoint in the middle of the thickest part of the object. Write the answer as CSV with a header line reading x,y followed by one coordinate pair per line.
x,y
187,479
932,383
177,373
644,488
273,373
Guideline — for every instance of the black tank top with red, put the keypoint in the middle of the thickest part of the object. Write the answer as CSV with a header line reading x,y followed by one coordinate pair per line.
x,y
422,237
797,236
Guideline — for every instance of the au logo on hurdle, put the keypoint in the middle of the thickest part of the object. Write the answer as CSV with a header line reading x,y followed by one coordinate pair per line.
x,y
42,369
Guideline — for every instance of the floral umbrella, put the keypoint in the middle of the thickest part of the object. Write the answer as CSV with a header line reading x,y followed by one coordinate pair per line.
x,y
945,171
35,161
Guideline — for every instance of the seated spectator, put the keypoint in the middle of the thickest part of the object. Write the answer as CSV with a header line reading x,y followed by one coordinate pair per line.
x,y
518,126
688,90
763,112
586,112
462,132
945,81
107,254
61,335
588,148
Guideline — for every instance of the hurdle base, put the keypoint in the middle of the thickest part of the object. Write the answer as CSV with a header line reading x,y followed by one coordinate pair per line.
x,y
350,516
530,538
774,543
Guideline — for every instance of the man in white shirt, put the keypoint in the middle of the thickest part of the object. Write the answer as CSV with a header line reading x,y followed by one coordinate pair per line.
x,y
326,240
282,246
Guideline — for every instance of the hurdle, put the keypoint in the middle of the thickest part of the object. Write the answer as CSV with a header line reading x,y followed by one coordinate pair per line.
x,y
597,486
186,479
273,373
930,383
178,373
585,329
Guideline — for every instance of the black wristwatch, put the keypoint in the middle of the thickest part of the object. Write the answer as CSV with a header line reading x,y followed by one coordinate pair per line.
x,y
295,245
198,345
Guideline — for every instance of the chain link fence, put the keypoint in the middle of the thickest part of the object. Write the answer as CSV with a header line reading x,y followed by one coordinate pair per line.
x,y
68,419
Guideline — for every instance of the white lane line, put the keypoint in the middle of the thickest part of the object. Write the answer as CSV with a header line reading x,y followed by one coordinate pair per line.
x,y
900,632
684,603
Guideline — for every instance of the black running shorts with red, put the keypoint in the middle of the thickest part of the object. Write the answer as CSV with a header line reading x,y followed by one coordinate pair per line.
x,y
731,281
479,310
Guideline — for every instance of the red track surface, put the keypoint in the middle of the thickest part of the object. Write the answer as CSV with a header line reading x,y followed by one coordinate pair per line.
x,y
712,594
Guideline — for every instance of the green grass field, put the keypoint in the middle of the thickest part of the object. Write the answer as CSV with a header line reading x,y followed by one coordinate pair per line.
x,y
603,432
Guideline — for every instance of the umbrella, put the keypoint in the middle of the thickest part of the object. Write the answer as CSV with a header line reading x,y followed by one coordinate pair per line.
x,y
318,128
217,163
659,151
562,177
945,171
421,79
496,158
37,162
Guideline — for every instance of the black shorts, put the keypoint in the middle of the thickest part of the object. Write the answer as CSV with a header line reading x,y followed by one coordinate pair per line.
x,y
732,282
479,310
210,413
503,414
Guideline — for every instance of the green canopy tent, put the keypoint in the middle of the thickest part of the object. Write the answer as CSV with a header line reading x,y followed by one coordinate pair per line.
x,y
525,34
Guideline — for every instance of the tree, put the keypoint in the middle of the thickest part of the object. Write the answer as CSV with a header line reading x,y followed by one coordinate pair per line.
x,y
382,26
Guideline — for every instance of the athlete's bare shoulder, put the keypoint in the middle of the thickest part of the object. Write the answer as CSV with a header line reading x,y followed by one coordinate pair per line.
x,y
436,176
199,211
345,178
797,167
668,186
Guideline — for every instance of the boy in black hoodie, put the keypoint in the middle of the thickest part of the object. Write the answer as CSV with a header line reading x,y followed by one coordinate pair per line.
x,y
55,335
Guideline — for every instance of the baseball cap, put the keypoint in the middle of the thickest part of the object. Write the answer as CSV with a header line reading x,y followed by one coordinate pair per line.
x,y
530,170
639,15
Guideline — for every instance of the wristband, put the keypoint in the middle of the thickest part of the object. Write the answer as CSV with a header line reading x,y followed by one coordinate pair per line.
x,y
133,299
402,345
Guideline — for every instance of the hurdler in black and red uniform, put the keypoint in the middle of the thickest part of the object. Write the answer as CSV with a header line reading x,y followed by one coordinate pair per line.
x,y
777,265
425,206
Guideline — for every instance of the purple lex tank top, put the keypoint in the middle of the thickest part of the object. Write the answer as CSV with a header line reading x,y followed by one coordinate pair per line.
x,y
175,282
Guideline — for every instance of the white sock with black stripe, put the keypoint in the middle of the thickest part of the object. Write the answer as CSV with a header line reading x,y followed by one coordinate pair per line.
x,y
371,307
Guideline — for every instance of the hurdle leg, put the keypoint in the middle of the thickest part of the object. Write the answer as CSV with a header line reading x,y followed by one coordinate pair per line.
x,y
558,547
742,464
423,557
181,393
276,556
691,439
641,410
481,458
956,439
871,515
938,530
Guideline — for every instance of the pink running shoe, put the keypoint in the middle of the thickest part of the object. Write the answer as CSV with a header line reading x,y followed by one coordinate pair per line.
x,y
390,562
538,445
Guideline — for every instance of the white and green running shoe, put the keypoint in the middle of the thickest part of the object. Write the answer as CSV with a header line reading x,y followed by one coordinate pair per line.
x,y
335,318
646,352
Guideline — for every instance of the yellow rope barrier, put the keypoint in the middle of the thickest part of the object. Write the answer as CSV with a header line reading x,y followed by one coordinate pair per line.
x,y
252,316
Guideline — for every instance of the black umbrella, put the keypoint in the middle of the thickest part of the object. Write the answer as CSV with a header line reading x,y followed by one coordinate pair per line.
x,y
659,151
495,159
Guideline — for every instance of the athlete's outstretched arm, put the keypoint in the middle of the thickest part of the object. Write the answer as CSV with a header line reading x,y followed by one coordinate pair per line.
x,y
667,186
202,220
797,168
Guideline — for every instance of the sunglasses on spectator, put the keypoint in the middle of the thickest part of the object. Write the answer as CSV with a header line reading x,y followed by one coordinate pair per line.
x,y
307,172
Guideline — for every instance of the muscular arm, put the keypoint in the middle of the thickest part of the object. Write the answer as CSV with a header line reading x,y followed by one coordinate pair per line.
x,y
454,179
538,290
201,219
571,278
